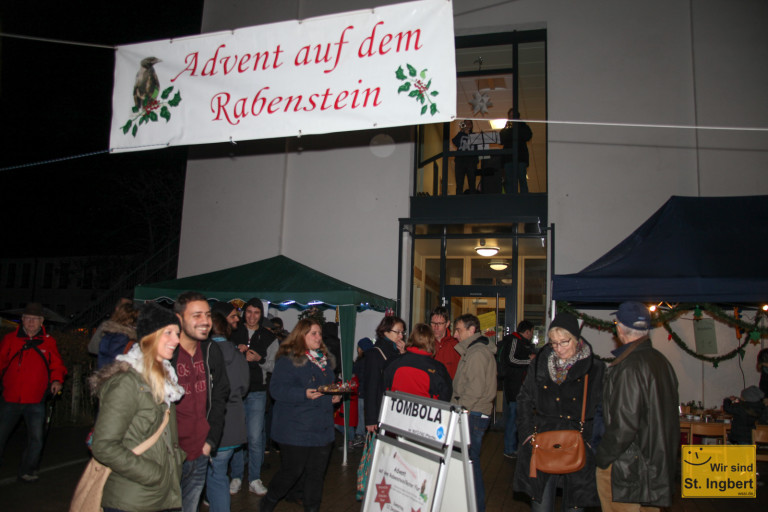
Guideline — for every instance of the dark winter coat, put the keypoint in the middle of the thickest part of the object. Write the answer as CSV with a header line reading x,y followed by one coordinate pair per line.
x,y
261,342
642,428
745,415
547,406
128,415
513,358
375,361
237,373
297,420
415,372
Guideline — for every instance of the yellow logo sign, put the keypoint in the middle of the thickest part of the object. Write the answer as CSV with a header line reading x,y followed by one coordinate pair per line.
x,y
712,471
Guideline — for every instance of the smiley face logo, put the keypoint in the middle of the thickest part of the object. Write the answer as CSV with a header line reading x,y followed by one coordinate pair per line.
x,y
695,455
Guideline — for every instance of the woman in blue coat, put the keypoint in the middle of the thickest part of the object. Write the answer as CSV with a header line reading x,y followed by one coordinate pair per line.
x,y
302,418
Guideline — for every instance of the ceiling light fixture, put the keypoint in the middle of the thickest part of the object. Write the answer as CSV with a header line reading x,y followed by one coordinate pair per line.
x,y
499,265
487,251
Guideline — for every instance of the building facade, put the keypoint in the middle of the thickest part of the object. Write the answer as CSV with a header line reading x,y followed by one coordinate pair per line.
x,y
613,93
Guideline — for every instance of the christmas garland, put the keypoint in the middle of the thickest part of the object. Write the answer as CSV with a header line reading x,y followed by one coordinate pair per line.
x,y
664,318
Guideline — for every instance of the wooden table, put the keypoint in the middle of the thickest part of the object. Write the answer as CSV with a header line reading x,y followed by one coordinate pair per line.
x,y
686,424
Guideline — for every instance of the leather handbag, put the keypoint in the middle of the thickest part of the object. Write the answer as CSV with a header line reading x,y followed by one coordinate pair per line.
x,y
559,451
90,488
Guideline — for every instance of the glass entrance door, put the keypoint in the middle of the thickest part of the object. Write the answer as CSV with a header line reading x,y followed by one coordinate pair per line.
x,y
490,309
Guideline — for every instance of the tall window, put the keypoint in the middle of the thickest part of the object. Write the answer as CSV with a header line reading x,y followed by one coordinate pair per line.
x,y
496,73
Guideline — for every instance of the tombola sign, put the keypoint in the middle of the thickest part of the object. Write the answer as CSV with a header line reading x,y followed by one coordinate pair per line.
x,y
717,471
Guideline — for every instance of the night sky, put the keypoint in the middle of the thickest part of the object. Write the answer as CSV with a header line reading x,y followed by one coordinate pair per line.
x,y
55,102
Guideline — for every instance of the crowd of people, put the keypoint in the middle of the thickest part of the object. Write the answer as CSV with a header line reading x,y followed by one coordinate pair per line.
x,y
190,398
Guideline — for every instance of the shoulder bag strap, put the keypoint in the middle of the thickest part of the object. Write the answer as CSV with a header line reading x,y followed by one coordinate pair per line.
x,y
146,445
381,352
584,403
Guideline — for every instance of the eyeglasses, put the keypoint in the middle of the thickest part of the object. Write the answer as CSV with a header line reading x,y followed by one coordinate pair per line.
x,y
401,333
559,345
437,323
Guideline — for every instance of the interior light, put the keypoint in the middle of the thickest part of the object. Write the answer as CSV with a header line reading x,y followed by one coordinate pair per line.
x,y
484,250
765,307
498,124
499,265
652,309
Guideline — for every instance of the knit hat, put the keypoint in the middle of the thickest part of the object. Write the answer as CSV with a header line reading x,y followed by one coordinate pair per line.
x,y
153,317
365,344
34,309
634,315
568,322
752,394
224,308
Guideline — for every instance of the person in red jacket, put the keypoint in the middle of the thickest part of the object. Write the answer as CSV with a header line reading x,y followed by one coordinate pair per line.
x,y
416,372
30,367
445,344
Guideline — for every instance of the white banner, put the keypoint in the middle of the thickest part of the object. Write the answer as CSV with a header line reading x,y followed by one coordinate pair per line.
x,y
374,68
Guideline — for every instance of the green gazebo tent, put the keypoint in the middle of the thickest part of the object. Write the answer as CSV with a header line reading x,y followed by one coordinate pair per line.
x,y
284,283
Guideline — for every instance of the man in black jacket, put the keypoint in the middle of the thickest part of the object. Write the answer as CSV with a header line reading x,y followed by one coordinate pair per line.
x,y
259,345
637,458
514,356
202,373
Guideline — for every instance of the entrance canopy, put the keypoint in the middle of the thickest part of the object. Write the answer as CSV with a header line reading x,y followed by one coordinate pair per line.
x,y
693,249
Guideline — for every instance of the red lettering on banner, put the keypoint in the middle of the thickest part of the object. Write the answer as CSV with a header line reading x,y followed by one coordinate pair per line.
x,y
261,103
369,47
275,101
243,61
303,55
258,98
219,105
341,97
238,62
212,62
191,61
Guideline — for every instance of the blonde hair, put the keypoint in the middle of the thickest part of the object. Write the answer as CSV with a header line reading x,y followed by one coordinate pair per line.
x,y
154,371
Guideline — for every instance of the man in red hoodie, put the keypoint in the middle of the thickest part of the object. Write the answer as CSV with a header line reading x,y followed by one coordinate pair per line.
x,y
30,367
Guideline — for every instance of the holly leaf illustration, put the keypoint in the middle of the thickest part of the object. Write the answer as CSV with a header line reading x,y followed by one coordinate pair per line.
x,y
411,70
153,116
424,109
176,99
166,93
165,113
413,94
433,109
135,129
399,74
423,74
127,126
404,87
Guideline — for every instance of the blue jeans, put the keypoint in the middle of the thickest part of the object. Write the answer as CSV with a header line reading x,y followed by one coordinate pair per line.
x,y
477,427
510,428
192,482
547,503
217,484
513,176
34,417
255,404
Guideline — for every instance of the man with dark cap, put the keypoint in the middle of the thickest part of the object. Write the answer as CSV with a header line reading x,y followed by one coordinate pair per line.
x,y
254,339
30,368
637,458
